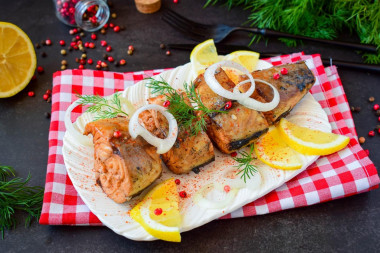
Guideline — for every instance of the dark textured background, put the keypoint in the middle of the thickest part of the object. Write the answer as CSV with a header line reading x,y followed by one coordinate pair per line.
x,y
350,224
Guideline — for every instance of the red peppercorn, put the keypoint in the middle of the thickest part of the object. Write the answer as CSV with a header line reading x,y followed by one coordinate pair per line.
x,y
75,31
371,133
227,188
183,194
111,25
86,44
31,94
168,52
45,96
276,76
158,211
91,45
99,62
90,61
166,103
376,107
98,66
48,92
233,154
366,151
77,37
116,29
82,61
93,36
81,66
284,71
48,42
103,43
73,44
62,42
105,26
109,49
116,134
177,181
131,47
40,69
175,1
110,59
122,62
228,105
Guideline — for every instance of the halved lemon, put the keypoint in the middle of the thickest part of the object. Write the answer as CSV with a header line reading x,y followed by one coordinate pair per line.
x,y
248,59
17,59
272,150
158,213
203,55
311,142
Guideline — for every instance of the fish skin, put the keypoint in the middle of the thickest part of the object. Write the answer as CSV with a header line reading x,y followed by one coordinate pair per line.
x,y
120,172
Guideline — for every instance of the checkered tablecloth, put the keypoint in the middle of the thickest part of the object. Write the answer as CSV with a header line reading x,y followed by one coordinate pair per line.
x,y
339,175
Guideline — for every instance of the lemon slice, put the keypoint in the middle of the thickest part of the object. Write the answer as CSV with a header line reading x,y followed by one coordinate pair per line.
x,y
272,150
202,56
311,142
158,213
17,60
248,59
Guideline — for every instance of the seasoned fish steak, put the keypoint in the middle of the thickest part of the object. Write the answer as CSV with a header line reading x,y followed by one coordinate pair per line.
x,y
124,166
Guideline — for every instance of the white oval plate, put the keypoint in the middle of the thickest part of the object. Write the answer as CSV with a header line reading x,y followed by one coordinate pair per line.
x,y
79,163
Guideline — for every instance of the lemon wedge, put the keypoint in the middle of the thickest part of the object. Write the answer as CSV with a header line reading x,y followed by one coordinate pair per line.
x,y
311,142
17,59
202,56
158,213
272,150
248,59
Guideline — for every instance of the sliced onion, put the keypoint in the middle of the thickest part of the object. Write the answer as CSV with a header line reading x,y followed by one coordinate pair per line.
x,y
203,199
256,105
163,145
82,139
218,89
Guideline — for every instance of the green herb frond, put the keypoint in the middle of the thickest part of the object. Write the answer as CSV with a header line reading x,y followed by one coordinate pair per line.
x,y
102,107
245,168
16,195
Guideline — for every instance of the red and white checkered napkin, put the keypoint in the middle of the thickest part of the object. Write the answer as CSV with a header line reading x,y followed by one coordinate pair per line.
x,y
339,175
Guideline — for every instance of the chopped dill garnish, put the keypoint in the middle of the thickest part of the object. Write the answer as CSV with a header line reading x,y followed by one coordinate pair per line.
x,y
103,108
15,195
191,117
245,168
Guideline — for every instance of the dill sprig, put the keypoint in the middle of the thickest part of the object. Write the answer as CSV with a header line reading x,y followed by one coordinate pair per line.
x,y
245,168
102,107
324,19
190,117
15,195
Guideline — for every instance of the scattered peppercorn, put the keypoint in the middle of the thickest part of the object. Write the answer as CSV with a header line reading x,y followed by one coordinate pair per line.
x,y
284,71
371,133
90,61
47,115
358,109
130,52
116,134
31,94
130,47
105,56
233,154
48,92
82,34
376,107
82,61
98,66
228,105
183,194
158,211
63,67
99,62
227,188
103,43
378,112
63,52
111,25
77,59
37,45
62,42
91,45
48,42
117,64
371,99
175,1
81,66
48,100
166,103
40,69
177,181
276,76
45,96
93,36
104,65
162,46
34,77
64,62
103,31
122,28
43,54
84,56
113,15
109,49
361,140
168,53
116,29
110,59
122,62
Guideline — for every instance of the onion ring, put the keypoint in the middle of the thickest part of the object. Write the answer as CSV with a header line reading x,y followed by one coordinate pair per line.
x,y
162,145
218,89
256,105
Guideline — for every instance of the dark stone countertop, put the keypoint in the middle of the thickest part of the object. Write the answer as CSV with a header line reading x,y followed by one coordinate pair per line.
x,y
350,224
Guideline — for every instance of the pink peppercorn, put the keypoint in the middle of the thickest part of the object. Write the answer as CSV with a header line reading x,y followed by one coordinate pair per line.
x,y
110,59
166,103
116,29
276,76
111,25
81,66
99,62
376,107
158,211
45,96
86,44
62,42
228,105
227,188
103,43
116,134
77,37
90,61
48,42
91,45
371,133
93,36
183,194
177,181
122,62
31,94
40,69
109,49
284,71
233,154
131,47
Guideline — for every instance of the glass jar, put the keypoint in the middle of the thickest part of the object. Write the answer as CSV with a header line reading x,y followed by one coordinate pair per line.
x,y
90,15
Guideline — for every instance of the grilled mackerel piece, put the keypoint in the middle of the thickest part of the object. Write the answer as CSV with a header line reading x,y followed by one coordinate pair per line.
x,y
189,152
124,166
237,128
292,87
242,126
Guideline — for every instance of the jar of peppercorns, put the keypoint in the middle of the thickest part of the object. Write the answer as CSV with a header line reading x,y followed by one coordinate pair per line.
x,y
90,15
